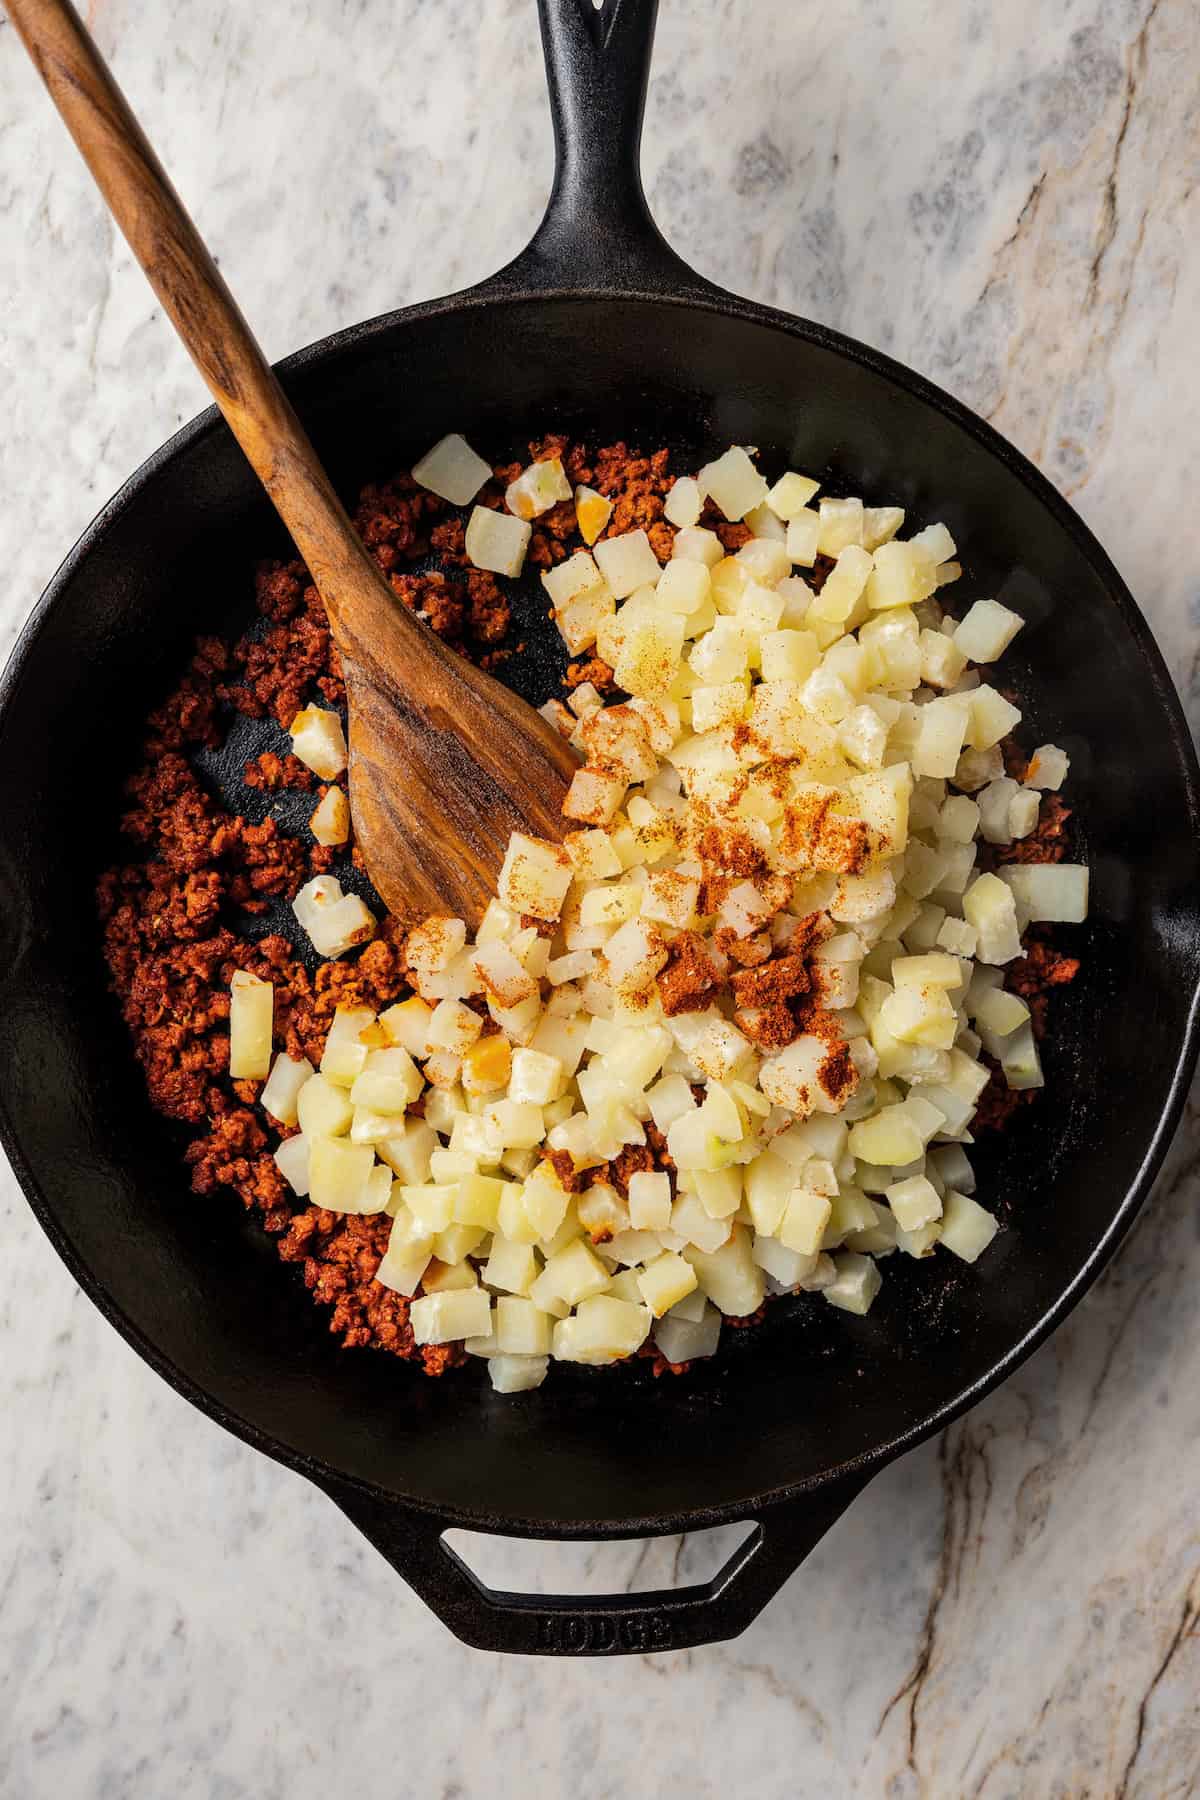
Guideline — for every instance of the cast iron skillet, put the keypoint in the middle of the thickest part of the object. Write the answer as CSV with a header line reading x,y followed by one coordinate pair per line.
x,y
598,324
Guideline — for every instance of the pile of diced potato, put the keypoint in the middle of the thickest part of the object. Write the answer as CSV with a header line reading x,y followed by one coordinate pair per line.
x,y
847,737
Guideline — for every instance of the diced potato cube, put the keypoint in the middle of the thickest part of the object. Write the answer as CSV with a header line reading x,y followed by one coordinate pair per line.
x,y
389,1083
593,796
330,819
856,1284
665,1281
649,656
903,575
649,1200
789,655
1053,893
568,580
575,1273
1023,810
958,819
323,1109
537,488
721,703
408,1255
967,1229
1048,767
497,541
683,1340
251,1016
841,525
914,1202
683,503
535,876
407,1150
683,586
986,631
803,538
733,483
517,1374
787,1267
335,922
282,1088
844,585
592,513
804,1221
431,1204
988,905
730,1276
694,544
521,1329
942,727
791,494
452,470
1019,1059
880,525
453,1027
291,1159
446,1318
627,562
512,1267
766,559
434,944
958,937
338,1174
346,1045
890,1138
942,662
407,1024
1000,1012
446,1278
319,741
671,898
602,1330
992,718
863,736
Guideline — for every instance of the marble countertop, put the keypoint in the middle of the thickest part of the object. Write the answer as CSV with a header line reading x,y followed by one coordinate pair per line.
x,y
1007,197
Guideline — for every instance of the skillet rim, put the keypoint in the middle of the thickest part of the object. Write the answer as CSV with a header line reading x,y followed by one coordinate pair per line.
x,y
502,290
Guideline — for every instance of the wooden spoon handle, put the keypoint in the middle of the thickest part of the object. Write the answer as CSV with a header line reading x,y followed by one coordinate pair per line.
x,y
201,307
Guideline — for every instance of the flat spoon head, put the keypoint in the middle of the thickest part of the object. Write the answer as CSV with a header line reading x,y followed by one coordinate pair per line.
x,y
445,764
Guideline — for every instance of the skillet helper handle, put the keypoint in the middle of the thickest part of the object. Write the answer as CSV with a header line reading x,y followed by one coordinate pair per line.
x,y
156,225
632,1624
598,232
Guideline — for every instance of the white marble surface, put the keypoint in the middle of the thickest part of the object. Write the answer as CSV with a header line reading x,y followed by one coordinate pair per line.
x,y
1005,196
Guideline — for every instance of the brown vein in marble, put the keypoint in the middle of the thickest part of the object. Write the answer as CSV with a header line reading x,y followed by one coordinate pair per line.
x,y
962,1451
1025,218
1110,212
1186,1627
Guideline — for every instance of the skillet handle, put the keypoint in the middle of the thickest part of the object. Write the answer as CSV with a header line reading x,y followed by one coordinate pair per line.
x,y
611,1625
597,232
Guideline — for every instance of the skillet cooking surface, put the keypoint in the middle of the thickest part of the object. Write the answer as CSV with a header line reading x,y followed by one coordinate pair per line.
x,y
805,1395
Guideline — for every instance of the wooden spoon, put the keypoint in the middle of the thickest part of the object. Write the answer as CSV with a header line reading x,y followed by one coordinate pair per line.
x,y
444,762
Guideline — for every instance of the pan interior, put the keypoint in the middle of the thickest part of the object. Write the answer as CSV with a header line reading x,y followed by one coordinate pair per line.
x,y
811,1391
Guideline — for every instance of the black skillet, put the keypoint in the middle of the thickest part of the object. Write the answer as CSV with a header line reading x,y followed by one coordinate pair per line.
x,y
596,325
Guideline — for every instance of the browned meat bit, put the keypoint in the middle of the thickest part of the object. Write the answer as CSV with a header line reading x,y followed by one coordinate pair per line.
x,y
781,979
1048,842
570,1179
270,771
689,980
593,669
1040,969
637,487
488,610
634,1159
